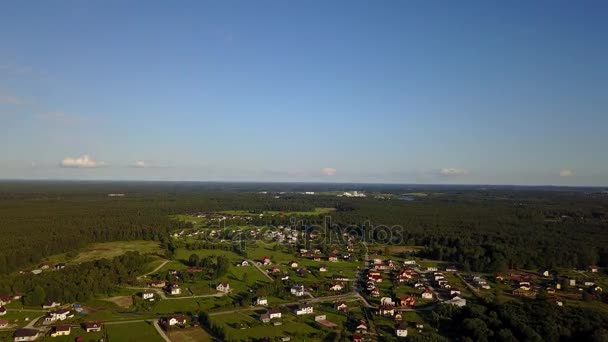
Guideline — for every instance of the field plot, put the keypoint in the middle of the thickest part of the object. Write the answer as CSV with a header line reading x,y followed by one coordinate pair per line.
x,y
129,332
317,211
189,335
243,326
75,333
109,250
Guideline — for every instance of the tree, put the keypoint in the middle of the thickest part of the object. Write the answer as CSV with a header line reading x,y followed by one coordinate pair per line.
x,y
193,260
35,297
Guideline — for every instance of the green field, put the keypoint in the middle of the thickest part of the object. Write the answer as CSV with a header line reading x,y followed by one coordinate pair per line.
x,y
75,333
108,250
132,332
317,211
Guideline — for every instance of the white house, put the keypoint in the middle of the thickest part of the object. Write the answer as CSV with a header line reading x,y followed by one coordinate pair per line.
x,y
2,311
58,315
50,305
297,290
274,313
244,263
223,287
176,320
175,290
261,301
401,331
457,301
304,309
337,287
427,295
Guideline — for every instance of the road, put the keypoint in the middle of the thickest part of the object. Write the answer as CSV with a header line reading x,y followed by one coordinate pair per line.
x,y
161,332
162,295
154,270
260,269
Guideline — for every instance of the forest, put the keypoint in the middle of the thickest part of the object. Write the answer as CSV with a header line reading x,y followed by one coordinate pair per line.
x,y
484,229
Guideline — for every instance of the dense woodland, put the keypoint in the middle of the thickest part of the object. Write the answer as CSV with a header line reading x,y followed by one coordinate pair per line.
x,y
485,229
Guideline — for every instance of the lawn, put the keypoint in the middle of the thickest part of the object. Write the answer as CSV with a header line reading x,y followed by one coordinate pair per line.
x,y
243,326
189,335
75,333
129,332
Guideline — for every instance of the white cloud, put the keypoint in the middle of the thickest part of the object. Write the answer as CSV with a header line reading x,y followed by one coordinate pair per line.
x,y
566,173
140,164
453,172
328,171
83,161
7,99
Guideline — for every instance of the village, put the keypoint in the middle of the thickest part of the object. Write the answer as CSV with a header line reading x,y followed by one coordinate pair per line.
x,y
274,288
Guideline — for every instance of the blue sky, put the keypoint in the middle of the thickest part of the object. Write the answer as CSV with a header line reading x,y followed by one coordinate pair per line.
x,y
344,91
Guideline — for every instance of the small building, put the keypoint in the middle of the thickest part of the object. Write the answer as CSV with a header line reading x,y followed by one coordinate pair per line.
x,y
274,313
26,335
401,330
92,326
3,324
457,301
60,266
261,301
149,296
341,306
158,283
175,290
322,268
2,311
293,264
244,263
50,304
297,290
179,320
593,269
266,261
427,295
61,330
304,309
386,310
337,287
223,287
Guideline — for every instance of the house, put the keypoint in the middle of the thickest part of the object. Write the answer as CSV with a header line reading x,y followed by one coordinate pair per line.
x,y
158,283
386,310
409,262
5,299
545,273
274,313
419,326
275,269
149,296
173,320
333,258
37,271
261,301
322,268
401,330
431,269
357,338
244,263
304,309
44,266
2,311
266,261
407,301
297,290
265,318
593,269
3,323
361,327
572,282
59,315
50,304
60,266
457,301
455,292
293,264
451,269
91,326
175,290
223,287
404,275
375,292
61,330
341,306
337,287
26,335
427,294
589,283
557,301
386,301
